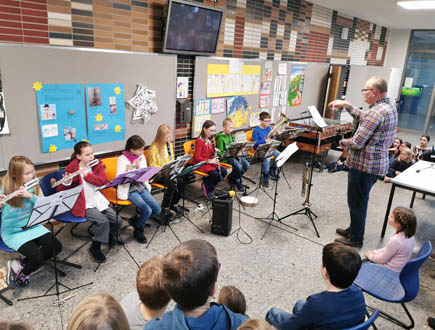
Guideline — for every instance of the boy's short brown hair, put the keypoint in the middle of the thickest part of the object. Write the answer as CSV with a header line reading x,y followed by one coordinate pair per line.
x,y
190,272
233,298
342,263
149,284
264,115
227,121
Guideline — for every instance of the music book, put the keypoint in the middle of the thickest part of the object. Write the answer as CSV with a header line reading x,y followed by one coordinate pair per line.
x,y
139,175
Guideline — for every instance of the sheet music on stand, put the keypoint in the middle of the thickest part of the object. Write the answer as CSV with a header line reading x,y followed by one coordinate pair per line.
x,y
286,154
318,119
245,150
234,149
47,207
171,169
263,150
140,175
273,146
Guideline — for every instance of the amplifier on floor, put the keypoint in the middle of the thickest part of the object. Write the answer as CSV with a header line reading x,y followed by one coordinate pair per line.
x,y
222,219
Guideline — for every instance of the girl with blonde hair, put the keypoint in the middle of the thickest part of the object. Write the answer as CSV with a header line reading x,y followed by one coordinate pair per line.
x,y
98,312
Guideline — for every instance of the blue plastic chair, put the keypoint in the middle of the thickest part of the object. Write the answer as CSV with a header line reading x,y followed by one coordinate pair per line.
x,y
384,284
366,324
46,186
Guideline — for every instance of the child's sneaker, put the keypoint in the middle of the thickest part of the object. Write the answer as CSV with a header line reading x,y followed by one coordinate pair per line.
x,y
14,267
22,280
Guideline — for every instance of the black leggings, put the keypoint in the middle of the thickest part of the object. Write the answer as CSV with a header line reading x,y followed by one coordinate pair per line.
x,y
174,192
38,250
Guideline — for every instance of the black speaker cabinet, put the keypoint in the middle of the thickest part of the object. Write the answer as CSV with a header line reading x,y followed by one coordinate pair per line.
x,y
222,219
185,107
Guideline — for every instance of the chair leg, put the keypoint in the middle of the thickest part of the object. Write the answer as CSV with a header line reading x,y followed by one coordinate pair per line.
x,y
394,320
6,300
373,324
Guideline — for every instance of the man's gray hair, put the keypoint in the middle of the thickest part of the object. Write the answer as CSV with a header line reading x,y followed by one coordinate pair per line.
x,y
378,83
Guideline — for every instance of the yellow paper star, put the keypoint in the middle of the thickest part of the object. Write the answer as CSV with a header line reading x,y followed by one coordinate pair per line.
x,y
99,117
37,85
118,128
85,140
52,149
117,90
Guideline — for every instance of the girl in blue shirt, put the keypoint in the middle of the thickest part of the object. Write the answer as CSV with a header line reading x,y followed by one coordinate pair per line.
x,y
36,243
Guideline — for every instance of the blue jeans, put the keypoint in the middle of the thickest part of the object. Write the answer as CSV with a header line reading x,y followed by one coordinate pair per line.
x,y
147,205
278,317
240,165
266,163
359,185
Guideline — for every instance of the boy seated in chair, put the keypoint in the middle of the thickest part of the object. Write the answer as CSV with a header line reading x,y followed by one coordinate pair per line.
x,y
341,306
190,273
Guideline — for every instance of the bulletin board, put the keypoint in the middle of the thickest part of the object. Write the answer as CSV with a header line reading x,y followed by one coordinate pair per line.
x,y
22,65
313,89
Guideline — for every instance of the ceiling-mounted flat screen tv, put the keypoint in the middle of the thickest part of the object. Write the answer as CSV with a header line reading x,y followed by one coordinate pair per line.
x,y
192,28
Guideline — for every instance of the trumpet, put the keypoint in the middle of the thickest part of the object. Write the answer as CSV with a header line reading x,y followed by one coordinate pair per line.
x,y
27,186
72,175
281,121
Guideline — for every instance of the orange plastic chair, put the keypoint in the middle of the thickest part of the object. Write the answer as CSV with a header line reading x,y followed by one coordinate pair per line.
x,y
189,148
249,138
110,193
157,185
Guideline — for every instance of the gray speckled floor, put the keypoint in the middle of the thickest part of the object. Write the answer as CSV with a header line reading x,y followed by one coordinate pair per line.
x,y
275,271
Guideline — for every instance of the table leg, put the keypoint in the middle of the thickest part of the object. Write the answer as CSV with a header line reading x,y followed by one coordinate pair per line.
x,y
412,200
390,200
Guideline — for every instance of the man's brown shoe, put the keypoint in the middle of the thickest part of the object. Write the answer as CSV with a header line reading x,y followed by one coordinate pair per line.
x,y
349,242
342,232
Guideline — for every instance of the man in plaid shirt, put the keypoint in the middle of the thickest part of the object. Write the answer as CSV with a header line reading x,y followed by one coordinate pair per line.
x,y
368,153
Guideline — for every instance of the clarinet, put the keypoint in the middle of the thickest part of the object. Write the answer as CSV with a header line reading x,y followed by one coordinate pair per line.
x,y
216,156
169,151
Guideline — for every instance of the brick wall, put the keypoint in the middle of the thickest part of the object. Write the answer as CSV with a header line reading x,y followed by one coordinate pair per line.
x,y
287,30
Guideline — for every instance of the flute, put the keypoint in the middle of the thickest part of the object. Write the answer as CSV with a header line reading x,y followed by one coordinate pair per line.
x,y
27,186
72,175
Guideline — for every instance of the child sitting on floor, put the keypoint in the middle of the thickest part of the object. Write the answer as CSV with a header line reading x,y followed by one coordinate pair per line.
x,y
150,300
233,298
340,306
399,247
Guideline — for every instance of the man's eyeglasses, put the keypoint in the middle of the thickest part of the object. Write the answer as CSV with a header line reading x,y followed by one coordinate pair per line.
x,y
366,89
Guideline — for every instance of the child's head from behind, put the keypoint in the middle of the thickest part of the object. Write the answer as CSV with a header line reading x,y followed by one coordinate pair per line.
x,y
404,220
190,273
405,155
83,152
14,326
228,126
208,129
342,264
254,324
265,119
98,311
163,134
149,284
135,145
233,298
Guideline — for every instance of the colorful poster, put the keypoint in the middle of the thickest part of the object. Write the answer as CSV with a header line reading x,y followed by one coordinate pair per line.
x,y
238,110
61,112
267,74
218,106
182,87
202,107
264,101
254,119
199,120
106,112
222,82
297,78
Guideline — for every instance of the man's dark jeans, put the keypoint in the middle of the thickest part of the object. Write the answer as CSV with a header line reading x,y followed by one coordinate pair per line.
x,y
359,185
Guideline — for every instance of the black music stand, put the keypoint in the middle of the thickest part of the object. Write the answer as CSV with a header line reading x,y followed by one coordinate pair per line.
x,y
263,151
173,171
139,175
280,160
306,210
45,209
